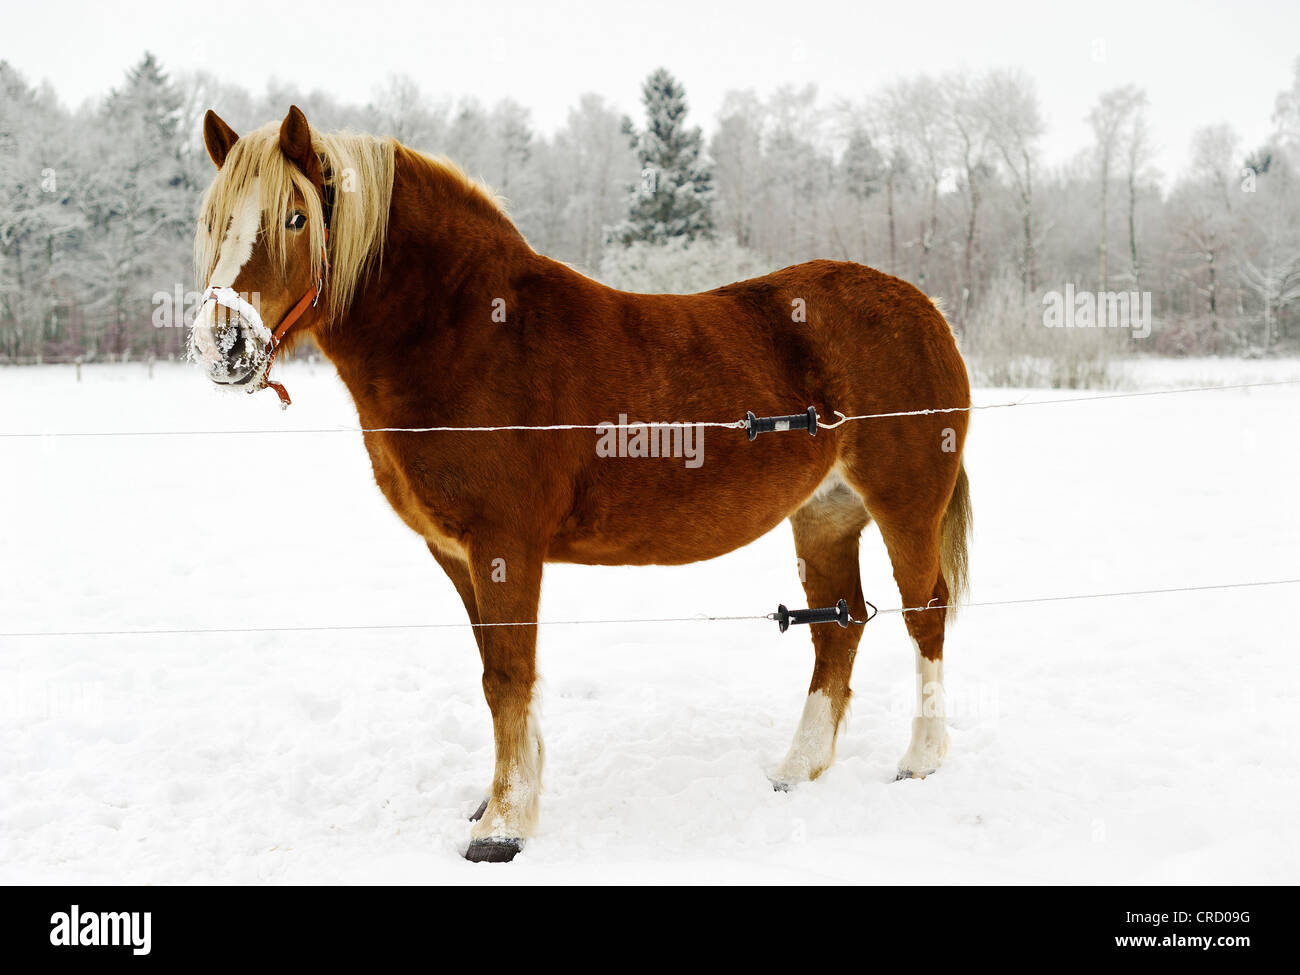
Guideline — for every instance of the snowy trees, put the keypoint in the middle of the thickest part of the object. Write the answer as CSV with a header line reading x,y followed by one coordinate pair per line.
x,y
863,172
936,179
1209,227
737,158
667,242
675,195
1109,118
594,160
1137,150
968,121
38,221
97,216
679,266
918,105
1015,124
136,201
1268,258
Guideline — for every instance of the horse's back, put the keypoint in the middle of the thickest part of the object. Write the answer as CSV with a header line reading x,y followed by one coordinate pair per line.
x,y
879,342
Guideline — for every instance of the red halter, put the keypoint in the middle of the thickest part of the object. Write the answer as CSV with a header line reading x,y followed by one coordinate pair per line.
x,y
286,323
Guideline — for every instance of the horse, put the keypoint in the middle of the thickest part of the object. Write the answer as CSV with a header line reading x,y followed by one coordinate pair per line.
x,y
413,281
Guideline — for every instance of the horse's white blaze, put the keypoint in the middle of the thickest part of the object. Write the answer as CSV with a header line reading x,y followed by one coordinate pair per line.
x,y
236,249
513,814
929,724
813,748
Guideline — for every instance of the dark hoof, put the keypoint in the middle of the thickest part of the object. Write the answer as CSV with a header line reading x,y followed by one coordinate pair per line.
x,y
482,808
780,786
492,850
904,773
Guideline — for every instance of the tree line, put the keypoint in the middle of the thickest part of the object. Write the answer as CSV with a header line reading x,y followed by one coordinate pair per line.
x,y
937,179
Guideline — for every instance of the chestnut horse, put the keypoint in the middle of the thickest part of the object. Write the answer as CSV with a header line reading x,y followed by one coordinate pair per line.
x,y
435,310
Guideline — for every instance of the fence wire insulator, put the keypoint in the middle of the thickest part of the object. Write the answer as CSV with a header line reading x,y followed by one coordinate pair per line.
x,y
754,425
839,613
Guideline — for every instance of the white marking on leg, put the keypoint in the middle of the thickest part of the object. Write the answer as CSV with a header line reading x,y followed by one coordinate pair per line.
x,y
513,814
929,724
813,748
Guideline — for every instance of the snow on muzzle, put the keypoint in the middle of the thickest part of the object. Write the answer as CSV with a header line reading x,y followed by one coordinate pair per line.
x,y
230,340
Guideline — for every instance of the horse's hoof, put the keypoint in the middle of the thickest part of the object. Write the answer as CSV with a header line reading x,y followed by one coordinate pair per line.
x,y
907,773
492,850
482,808
779,786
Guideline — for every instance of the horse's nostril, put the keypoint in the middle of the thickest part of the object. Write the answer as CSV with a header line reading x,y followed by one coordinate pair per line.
x,y
238,353
228,335
235,347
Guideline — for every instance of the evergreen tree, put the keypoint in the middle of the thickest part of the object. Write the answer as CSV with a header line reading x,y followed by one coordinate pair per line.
x,y
140,210
863,167
675,196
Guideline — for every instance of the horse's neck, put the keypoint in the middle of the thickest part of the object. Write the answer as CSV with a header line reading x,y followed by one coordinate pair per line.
x,y
449,265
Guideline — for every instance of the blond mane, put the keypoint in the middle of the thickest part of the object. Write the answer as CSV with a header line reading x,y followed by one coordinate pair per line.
x,y
361,170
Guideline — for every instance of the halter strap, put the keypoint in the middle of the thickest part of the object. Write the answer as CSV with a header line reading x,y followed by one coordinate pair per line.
x,y
308,300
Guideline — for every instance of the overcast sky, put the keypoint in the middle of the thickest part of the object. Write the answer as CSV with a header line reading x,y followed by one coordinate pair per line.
x,y
1200,62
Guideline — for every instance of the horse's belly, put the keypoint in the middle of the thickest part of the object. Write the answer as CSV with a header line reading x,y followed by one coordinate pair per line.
x,y
649,528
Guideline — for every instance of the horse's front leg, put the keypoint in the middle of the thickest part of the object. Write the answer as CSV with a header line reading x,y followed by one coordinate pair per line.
x,y
507,582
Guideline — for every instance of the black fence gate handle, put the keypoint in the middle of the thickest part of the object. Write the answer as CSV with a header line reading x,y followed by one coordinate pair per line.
x,y
839,613
754,425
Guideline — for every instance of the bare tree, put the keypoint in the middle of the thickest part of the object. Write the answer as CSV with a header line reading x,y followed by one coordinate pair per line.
x,y
968,123
1286,111
737,151
404,112
1204,203
1137,151
1015,123
1108,120
597,165
883,122
918,105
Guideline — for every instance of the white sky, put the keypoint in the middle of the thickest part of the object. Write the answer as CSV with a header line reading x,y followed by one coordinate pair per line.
x,y
1201,61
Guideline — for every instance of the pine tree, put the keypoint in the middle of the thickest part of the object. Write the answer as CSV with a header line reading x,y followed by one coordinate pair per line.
x,y
675,196
863,167
140,211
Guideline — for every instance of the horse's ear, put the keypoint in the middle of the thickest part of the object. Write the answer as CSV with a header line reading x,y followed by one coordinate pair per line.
x,y
295,143
218,137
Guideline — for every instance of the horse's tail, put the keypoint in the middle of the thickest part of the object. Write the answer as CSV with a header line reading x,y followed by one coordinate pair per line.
x,y
954,538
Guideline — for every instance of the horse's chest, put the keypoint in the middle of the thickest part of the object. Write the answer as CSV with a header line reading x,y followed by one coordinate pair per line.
x,y
410,488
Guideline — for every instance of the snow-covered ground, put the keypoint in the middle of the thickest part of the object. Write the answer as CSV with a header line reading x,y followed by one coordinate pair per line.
x,y
1126,740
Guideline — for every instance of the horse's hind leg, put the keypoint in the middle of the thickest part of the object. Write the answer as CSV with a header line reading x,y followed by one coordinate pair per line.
x,y
913,545
826,532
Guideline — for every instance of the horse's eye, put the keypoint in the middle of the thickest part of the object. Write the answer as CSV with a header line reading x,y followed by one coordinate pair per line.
x,y
296,221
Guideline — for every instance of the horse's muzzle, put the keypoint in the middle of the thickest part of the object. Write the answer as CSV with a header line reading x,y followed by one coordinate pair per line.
x,y
231,344
229,352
